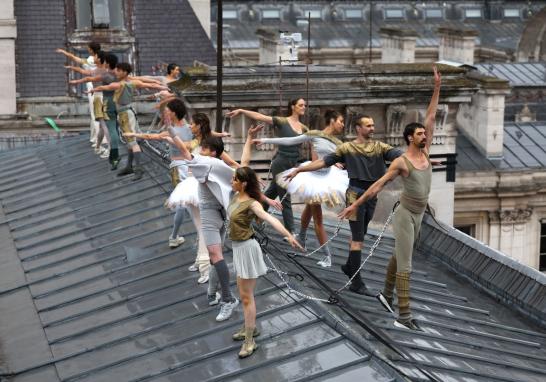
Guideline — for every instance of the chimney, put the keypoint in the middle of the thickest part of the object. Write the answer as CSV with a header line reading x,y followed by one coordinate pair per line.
x,y
482,121
274,46
457,45
397,45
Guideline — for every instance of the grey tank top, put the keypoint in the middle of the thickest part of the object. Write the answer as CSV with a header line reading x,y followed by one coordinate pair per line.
x,y
416,187
184,133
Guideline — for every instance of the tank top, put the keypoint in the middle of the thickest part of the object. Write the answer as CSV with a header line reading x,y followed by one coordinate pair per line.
x,y
124,95
240,217
416,187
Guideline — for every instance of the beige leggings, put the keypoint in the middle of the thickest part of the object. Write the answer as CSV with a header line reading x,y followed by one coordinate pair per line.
x,y
406,227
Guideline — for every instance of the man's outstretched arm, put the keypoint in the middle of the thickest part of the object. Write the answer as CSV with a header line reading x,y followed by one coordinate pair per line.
x,y
430,118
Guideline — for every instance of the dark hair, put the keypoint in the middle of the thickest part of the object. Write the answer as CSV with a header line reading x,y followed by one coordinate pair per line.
x,y
410,129
291,103
330,115
203,121
102,56
171,67
177,107
112,60
94,47
246,174
359,118
126,67
213,144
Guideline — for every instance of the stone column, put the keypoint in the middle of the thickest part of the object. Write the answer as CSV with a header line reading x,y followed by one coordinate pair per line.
x,y
8,33
397,46
457,45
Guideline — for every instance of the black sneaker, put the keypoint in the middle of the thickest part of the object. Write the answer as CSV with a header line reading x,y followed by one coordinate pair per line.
x,y
410,324
138,174
126,171
385,302
360,288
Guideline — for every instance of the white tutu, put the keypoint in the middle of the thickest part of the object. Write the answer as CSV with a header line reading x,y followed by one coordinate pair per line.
x,y
185,193
326,186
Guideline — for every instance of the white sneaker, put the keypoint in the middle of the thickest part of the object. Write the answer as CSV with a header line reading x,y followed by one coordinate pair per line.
x,y
105,153
97,150
203,279
326,262
226,310
193,268
173,243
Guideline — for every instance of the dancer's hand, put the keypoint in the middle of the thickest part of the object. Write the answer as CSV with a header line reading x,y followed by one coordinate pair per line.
x,y
91,91
275,204
294,243
253,131
347,212
291,176
339,165
233,113
129,135
437,76
257,142
224,134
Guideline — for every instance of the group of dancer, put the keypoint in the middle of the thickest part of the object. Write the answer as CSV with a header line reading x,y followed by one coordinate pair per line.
x,y
219,193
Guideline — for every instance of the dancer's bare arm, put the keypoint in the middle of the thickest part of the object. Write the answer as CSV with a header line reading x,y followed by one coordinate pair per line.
x,y
313,166
275,223
71,56
86,79
394,170
112,86
251,114
430,118
148,137
85,72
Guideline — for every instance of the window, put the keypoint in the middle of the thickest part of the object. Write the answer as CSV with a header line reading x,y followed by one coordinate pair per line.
x,y
99,14
434,13
353,13
313,13
542,258
511,12
229,14
394,13
469,229
475,13
271,14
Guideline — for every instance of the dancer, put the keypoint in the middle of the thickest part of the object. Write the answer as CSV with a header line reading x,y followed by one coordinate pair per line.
x,y
416,171
247,255
123,97
186,187
286,156
364,159
214,178
93,48
104,74
326,185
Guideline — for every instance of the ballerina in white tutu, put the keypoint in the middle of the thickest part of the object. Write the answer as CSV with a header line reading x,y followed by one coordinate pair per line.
x,y
326,185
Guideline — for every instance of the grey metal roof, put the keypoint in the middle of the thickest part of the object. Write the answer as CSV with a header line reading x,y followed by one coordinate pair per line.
x,y
91,291
525,74
524,147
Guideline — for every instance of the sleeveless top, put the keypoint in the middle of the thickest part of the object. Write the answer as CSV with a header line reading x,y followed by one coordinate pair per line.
x,y
124,95
416,187
283,129
184,133
240,217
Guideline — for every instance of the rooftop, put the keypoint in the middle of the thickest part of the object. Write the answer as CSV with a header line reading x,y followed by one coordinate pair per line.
x,y
89,290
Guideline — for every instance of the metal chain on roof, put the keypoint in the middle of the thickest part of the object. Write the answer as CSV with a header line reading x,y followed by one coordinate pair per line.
x,y
372,249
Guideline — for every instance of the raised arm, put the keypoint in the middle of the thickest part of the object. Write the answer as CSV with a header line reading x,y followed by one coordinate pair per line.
x,y
229,160
86,79
430,118
85,72
275,223
251,114
247,149
286,141
148,85
112,86
71,57
391,174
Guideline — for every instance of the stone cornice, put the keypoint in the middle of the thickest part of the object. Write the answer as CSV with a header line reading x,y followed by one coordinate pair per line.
x,y
8,29
502,183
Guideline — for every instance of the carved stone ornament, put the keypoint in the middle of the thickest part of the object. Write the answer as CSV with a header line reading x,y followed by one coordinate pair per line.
x,y
518,215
